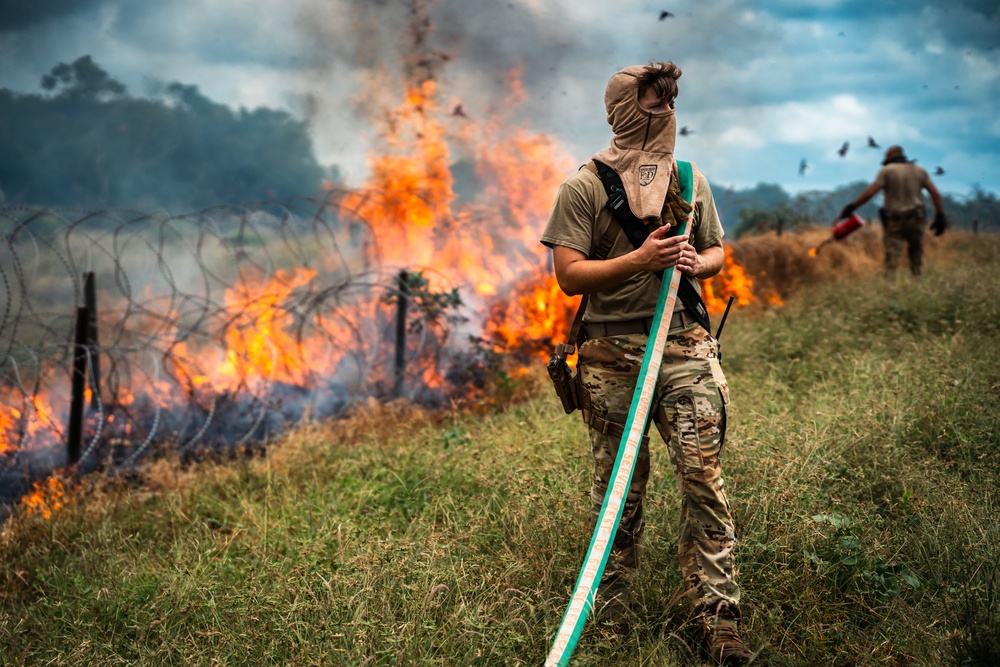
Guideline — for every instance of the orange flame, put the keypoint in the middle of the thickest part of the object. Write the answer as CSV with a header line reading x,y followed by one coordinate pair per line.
x,y
732,280
34,423
258,345
537,314
8,421
46,498
409,196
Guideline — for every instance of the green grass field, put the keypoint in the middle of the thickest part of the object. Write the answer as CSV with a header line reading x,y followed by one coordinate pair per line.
x,y
860,464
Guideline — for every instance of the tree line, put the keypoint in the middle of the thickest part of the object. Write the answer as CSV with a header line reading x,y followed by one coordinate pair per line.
x,y
767,207
84,141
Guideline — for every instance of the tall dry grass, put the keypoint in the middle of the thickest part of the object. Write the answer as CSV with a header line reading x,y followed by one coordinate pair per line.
x,y
784,265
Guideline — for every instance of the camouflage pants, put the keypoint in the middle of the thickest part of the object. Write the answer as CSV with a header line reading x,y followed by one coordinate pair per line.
x,y
904,227
690,413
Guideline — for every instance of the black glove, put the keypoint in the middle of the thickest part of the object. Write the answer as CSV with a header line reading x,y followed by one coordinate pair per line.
x,y
846,211
940,223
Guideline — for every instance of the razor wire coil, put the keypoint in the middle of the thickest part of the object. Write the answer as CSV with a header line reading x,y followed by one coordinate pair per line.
x,y
179,298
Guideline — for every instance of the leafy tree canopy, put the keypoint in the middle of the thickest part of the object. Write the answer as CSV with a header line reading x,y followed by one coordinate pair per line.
x,y
85,142
82,78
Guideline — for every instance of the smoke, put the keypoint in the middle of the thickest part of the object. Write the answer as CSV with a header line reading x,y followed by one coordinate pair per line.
x,y
375,49
339,63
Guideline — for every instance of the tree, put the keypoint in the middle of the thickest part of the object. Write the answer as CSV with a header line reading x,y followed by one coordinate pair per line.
x,y
83,79
89,144
783,217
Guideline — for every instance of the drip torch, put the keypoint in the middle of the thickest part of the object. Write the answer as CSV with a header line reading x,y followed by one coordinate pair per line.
x,y
842,228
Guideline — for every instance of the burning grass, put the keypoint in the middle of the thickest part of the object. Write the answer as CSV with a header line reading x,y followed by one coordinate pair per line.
x,y
861,466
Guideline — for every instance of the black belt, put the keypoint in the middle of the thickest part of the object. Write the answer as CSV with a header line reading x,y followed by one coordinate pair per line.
x,y
679,320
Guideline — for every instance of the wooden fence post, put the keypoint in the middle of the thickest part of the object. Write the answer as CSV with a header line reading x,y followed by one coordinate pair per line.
x,y
403,282
90,301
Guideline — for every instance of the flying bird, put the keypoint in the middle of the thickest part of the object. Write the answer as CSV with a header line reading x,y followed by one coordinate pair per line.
x,y
803,165
871,143
843,149
938,171
684,131
458,111
664,14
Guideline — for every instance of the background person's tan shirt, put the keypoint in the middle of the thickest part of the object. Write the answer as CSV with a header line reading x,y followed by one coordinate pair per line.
x,y
901,185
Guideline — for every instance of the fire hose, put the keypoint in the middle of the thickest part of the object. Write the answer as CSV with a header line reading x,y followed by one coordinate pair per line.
x,y
582,600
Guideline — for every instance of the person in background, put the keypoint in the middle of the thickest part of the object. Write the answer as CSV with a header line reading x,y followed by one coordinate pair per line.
x,y
692,396
902,212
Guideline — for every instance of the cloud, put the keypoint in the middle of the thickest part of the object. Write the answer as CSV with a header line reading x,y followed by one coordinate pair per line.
x,y
968,25
216,31
17,15
790,78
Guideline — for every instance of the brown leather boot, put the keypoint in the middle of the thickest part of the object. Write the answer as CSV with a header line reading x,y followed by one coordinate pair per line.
x,y
614,606
725,646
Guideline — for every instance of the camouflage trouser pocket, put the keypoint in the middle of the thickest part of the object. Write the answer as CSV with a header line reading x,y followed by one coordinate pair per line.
x,y
720,379
699,423
686,432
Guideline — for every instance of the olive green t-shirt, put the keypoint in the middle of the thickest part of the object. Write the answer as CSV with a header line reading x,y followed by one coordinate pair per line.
x,y
901,185
579,219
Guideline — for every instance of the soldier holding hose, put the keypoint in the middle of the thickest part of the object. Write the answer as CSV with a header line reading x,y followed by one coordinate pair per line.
x,y
691,398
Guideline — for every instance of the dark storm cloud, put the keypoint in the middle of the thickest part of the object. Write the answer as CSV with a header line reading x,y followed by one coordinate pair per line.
x,y
962,23
968,25
20,14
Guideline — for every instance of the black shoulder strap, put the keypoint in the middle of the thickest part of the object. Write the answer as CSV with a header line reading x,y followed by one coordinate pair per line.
x,y
636,232
601,252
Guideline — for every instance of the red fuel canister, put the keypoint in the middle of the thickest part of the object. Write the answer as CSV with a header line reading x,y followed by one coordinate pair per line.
x,y
842,228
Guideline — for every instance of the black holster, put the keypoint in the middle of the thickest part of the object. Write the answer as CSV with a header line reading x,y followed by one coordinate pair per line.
x,y
566,384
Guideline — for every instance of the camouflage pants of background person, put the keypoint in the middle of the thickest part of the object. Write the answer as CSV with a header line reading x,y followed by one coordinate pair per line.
x,y
904,227
690,413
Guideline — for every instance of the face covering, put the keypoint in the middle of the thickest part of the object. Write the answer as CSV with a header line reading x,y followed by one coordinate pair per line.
x,y
642,150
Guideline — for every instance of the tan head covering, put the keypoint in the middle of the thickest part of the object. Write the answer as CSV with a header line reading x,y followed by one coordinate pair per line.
x,y
642,150
894,154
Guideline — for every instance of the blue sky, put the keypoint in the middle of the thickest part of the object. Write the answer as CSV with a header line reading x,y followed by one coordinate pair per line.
x,y
765,85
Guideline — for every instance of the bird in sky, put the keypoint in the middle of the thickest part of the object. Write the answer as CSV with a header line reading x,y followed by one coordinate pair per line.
x,y
458,111
803,165
871,143
842,151
939,171
684,131
664,14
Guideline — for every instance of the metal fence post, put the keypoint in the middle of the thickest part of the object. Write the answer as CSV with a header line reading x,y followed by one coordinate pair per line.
x,y
78,385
